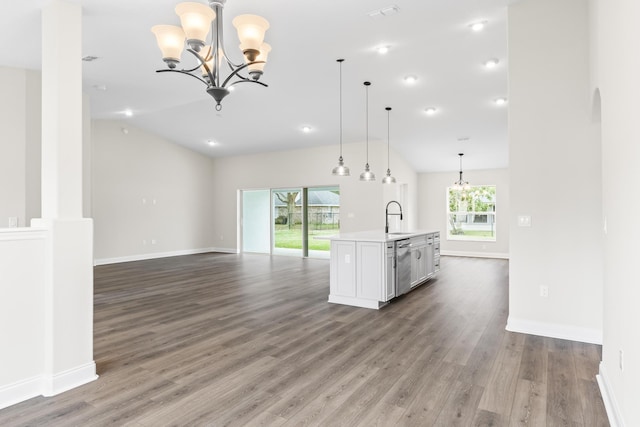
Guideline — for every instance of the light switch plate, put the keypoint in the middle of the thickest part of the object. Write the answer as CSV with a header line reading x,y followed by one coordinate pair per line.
x,y
524,221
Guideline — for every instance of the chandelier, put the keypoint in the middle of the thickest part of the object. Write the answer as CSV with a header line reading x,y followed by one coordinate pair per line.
x,y
197,21
461,184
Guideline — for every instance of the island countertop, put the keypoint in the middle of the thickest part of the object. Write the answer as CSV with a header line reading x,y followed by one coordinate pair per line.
x,y
377,235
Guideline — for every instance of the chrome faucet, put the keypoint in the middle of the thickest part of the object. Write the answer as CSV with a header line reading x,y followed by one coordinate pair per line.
x,y
386,213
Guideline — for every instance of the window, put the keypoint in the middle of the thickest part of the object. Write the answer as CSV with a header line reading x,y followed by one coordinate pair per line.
x,y
471,214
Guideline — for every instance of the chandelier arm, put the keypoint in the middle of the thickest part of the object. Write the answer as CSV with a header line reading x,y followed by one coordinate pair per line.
x,y
248,81
203,63
186,73
237,70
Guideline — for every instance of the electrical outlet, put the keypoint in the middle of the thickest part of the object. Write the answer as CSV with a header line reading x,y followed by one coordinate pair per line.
x,y
544,291
621,360
347,259
154,241
13,221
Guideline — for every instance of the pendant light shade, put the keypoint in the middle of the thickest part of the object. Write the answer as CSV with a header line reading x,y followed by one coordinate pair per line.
x,y
461,184
388,179
367,175
341,169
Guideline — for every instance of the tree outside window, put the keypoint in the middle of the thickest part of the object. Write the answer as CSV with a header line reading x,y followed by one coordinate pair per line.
x,y
471,213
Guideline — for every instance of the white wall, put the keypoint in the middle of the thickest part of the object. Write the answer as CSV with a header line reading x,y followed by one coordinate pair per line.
x,y
555,174
13,118
616,34
432,196
147,189
22,325
361,203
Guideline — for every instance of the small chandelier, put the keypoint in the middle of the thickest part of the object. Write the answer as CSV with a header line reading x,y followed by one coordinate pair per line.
x,y
388,179
197,20
367,175
461,184
341,169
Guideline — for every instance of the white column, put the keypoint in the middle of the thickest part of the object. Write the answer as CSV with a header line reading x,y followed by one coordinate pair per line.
x,y
68,289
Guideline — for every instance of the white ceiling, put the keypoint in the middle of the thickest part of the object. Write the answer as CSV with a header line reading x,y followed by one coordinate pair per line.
x,y
430,39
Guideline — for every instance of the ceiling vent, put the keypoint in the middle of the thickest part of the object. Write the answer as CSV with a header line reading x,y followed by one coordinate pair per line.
x,y
89,58
385,11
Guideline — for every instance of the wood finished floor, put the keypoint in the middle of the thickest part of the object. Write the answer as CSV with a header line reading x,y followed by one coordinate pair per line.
x,y
219,339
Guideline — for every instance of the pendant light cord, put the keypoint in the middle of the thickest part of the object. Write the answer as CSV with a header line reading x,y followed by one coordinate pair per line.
x,y
388,143
340,62
366,85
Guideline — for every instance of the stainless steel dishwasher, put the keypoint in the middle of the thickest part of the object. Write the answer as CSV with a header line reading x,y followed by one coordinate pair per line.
x,y
403,267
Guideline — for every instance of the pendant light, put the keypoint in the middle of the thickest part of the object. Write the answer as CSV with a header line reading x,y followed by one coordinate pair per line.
x,y
367,175
388,179
461,184
341,169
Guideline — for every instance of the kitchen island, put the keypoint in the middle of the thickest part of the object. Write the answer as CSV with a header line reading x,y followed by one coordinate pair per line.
x,y
370,268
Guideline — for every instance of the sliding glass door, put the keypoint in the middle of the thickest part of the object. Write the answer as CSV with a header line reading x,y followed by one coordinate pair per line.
x,y
289,221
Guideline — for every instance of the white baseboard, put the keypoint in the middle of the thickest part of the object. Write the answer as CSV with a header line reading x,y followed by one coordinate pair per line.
x,y
498,255
552,330
609,399
142,257
20,391
47,385
66,380
356,302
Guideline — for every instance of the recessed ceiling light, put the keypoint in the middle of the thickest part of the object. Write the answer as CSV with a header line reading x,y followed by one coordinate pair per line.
x,y
128,112
478,26
463,139
410,79
431,111
491,63
500,101
306,129
382,49
101,88
211,143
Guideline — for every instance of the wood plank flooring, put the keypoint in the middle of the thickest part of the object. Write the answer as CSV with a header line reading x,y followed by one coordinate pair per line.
x,y
250,340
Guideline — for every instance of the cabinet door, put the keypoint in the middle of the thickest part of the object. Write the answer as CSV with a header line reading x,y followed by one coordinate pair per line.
x,y
428,260
342,277
390,275
370,265
418,265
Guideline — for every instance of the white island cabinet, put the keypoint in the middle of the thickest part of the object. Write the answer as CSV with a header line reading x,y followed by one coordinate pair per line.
x,y
363,266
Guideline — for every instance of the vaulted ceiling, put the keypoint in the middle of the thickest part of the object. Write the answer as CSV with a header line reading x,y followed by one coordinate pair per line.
x,y
429,39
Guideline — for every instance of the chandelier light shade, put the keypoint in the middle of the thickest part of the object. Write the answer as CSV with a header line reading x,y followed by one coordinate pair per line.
x,y
195,19
367,175
388,179
171,43
201,32
251,30
341,169
461,184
